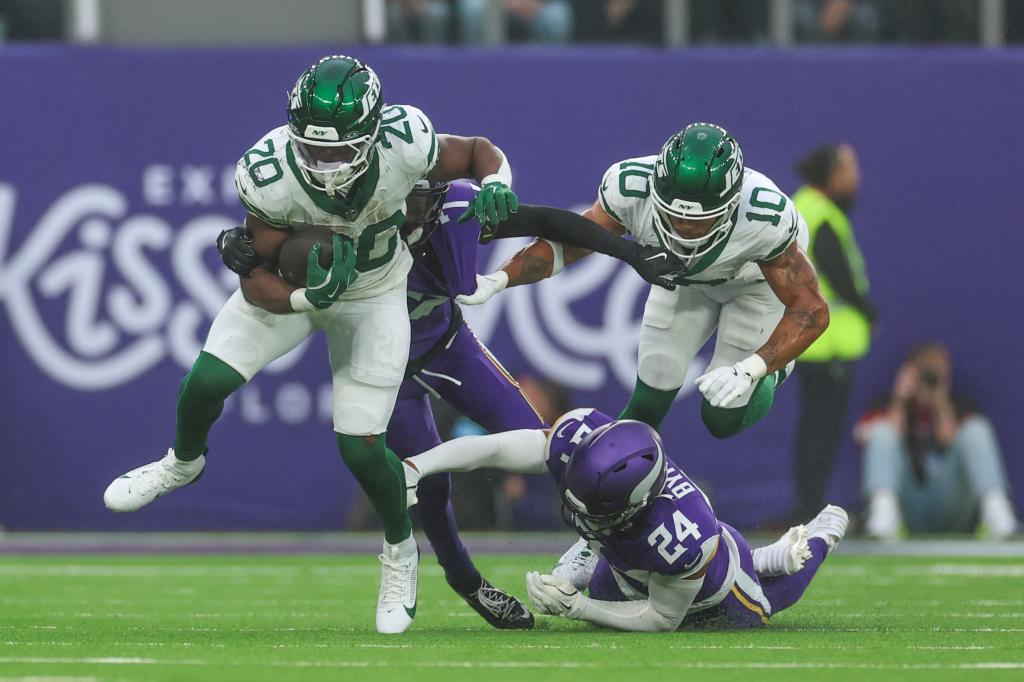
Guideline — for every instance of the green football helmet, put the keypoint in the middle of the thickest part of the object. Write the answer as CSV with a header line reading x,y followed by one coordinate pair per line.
x,y
334,116
698,175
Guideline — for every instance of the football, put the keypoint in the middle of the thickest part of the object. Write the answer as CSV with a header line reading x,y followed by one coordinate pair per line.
x,y
294,255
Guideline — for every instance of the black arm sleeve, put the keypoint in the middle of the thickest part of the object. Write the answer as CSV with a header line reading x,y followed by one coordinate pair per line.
x,y
829,258
558,225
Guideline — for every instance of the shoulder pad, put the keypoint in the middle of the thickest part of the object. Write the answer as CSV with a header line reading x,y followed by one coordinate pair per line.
x,y
260,178
625,188
408,135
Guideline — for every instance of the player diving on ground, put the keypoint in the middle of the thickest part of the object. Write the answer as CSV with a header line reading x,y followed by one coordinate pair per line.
x,y
653,556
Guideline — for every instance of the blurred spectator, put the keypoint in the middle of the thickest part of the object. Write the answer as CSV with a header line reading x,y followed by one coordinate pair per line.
x,y
619,21
419,21
31,20
825,370
930,459
489,499
930,21
535,21
837,21
1015,21
729,21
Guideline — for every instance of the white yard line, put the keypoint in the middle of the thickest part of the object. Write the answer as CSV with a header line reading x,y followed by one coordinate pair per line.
x,y
683,665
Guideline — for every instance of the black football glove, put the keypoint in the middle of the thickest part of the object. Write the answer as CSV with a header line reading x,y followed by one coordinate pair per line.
x,y
654,264
235,247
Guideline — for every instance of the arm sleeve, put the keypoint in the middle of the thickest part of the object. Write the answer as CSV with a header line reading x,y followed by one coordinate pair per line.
x,y
565,227
669,598
828,256
521,452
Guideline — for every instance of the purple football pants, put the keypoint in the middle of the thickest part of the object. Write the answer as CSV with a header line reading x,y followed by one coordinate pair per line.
x,y
471,380
738,609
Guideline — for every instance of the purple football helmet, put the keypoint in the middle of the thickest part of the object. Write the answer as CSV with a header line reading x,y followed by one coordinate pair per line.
x,y
613,474
423,208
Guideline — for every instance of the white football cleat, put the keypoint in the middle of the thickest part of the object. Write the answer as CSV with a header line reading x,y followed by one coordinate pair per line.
x,y
141,486
577,565
785,556
412,481
396,603
829,525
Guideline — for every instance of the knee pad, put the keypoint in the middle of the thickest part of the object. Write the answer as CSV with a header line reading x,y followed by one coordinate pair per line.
x,y
210,379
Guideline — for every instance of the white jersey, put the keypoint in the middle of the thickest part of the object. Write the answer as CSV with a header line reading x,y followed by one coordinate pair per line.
x,y
274,190
765,224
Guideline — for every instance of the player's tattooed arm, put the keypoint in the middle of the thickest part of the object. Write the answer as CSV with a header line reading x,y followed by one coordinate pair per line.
x,y
538,260
793,279
264,287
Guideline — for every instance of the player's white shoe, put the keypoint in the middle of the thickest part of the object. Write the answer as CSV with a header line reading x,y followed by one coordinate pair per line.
x,y
577,565
141,486
412,481
396,603
829,525
785,556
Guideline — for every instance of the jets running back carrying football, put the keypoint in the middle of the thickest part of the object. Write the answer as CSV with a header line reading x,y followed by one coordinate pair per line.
x,y
653,555
741,243
345,161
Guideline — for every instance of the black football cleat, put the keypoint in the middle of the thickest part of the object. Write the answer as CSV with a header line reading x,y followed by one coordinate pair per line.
x,y
497,607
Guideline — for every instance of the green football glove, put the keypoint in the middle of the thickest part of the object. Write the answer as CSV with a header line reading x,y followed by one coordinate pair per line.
x,y
324,286
492,204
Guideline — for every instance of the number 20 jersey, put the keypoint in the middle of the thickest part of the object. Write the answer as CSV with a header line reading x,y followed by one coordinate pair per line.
x,y
271,187
678,534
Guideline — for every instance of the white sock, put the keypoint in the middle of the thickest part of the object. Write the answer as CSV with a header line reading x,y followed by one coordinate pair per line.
x,y
785,556
997,515
402,550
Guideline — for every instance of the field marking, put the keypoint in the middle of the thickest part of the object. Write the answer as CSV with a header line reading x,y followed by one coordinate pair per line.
x,y
776,665
964,570
192,570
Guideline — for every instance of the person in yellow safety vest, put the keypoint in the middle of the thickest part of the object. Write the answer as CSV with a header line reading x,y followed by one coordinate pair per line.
x,y
825,369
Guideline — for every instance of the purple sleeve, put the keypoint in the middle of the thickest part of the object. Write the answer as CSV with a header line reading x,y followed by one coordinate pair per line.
x,y
566,433
456,243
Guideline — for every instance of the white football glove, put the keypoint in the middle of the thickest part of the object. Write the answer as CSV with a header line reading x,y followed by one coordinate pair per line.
x,y
552,596
723,385
412,482
486,286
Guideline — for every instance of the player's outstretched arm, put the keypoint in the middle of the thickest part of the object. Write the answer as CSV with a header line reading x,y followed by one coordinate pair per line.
x,y
669,598
520,452
571,229
537,261
793,279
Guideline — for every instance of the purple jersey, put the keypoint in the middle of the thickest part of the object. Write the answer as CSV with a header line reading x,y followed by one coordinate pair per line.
x,y
677,534
444,266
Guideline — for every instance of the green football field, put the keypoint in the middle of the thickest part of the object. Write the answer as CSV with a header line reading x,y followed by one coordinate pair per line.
x,y
310,617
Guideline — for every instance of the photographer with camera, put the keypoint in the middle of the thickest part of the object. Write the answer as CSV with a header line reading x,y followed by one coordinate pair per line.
x,y
931,460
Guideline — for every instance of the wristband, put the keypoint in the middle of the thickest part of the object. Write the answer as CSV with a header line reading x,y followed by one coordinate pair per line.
x,y
558,257
502,175
300,303
754,365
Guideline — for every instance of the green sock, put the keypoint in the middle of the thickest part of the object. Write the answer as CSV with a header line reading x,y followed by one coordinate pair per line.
x,y
723,422
648,405
381,476
200,402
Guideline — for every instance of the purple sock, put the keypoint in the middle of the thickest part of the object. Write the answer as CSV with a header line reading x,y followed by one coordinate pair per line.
x,y
785,590
438,521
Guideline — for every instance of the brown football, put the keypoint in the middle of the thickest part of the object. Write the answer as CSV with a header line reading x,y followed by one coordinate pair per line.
x,y
294,255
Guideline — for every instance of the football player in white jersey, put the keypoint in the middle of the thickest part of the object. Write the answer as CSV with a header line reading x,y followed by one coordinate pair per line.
x,y
344,161
745,272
